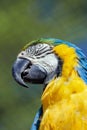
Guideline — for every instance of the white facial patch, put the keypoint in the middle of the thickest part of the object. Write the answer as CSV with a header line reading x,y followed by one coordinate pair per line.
x,y
43,56
50,64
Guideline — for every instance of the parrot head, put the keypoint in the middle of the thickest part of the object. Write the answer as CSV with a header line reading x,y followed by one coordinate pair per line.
x,y
36,63
42,60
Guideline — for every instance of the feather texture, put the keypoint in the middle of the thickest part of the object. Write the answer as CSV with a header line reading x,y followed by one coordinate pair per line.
x,y
82,59
64,100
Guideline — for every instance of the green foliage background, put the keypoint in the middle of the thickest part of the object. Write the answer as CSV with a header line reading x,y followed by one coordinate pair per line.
x,y
20,22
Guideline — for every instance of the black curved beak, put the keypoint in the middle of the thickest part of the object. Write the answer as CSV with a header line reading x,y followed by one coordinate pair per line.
x,y
18,67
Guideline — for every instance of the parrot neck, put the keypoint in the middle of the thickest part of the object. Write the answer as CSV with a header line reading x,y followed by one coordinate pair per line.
x,y
60,89
69,58
68,83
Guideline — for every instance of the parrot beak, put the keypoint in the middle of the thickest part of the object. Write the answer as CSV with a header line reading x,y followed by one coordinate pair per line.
x,y
18,67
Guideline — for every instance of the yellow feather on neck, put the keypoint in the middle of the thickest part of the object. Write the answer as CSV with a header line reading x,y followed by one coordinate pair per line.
x,y
69,57
65,98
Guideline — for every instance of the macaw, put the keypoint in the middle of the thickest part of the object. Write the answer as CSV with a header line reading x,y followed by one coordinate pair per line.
x,y
62,67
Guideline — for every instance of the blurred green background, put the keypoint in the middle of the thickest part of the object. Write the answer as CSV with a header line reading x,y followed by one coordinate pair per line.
x,y
20,22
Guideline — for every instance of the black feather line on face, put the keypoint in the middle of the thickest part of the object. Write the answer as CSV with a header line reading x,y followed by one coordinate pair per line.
x,y
59,69
60,65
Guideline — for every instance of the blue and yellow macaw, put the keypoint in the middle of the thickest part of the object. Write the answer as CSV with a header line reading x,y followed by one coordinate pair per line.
x,y
62,67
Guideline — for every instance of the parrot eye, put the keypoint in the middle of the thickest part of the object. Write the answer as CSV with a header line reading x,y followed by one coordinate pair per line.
x,y
39,50
39,46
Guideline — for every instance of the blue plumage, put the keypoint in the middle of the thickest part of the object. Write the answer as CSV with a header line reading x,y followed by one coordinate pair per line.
x,y
82,59
36,123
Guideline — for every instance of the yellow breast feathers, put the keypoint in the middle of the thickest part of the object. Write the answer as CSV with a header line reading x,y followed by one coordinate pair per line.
x,y
65,98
